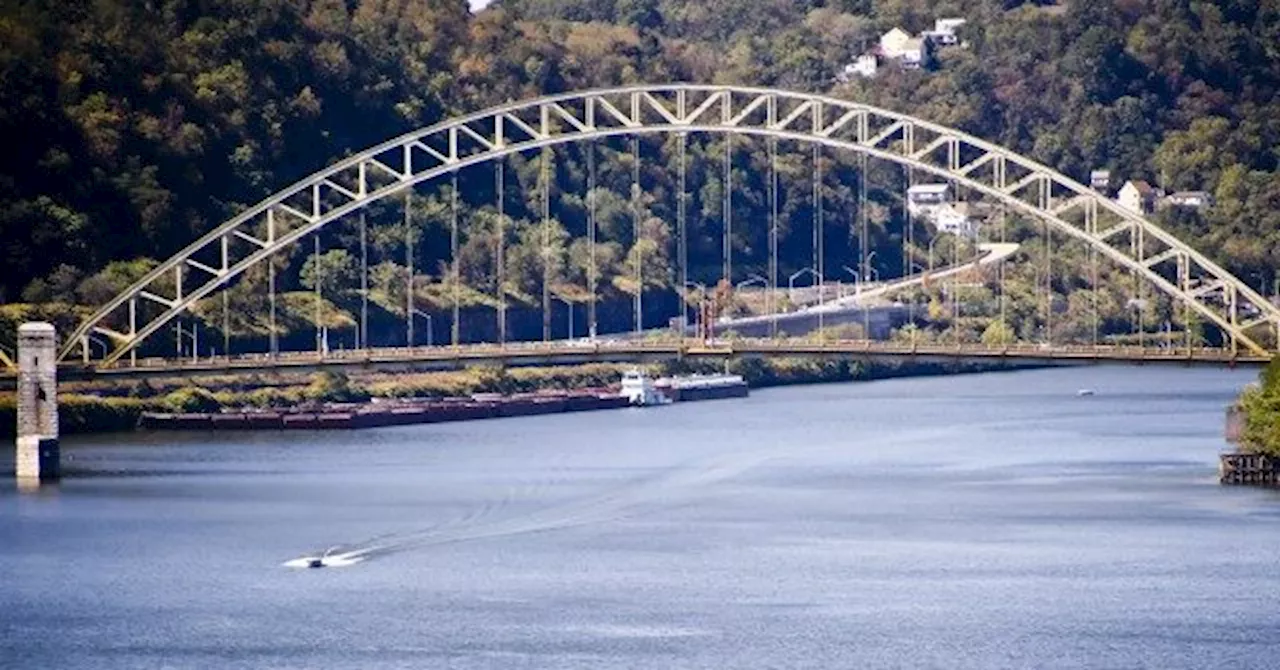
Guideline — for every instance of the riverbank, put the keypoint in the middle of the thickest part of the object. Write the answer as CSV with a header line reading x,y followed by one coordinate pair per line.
x,y
1253,426
111,407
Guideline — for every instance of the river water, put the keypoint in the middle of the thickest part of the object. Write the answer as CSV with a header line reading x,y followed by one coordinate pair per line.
x,y
985,521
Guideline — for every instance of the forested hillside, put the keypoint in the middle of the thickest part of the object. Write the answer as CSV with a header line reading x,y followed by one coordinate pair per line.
x,y
130,127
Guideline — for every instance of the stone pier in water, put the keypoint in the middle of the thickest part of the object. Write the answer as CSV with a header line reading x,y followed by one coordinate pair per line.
x,y
38,458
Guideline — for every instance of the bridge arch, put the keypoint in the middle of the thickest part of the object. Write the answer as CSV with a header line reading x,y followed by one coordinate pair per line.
x,y
447,147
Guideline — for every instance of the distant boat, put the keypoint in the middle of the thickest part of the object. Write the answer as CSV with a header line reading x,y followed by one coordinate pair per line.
x,y
1084,392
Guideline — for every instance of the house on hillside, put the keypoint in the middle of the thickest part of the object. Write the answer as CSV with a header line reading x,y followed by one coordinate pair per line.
x,y
955,219
944,32
1100,180
911,52
865,66
925,199
1138,196
1190,199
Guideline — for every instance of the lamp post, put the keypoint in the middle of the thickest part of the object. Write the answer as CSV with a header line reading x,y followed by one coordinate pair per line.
x,y
857,279
418,312
195,341
791,282
91,339
931,243
753,279
702,300
870,270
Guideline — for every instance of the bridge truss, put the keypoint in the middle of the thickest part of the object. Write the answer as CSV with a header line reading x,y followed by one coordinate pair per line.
x,y
442,150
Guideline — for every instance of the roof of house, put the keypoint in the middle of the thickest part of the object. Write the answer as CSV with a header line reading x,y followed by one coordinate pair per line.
x,y
897,35
1143,187
1190,194
973,209
928,188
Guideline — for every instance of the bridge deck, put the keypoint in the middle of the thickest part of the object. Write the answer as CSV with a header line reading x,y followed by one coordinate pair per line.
x,y
578,351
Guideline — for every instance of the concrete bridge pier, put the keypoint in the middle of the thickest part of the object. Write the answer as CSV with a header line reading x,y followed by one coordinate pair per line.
x,y
38,458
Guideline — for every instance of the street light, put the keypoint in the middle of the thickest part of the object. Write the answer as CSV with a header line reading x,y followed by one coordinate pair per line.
x,y
791,282
753,279
426,316
88,339
702,291
195,340
931,243
857,279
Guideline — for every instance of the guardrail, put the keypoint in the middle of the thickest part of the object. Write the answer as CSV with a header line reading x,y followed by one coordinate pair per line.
x,y
604,348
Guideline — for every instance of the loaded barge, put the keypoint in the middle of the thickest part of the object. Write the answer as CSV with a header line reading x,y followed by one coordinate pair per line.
x,y
406,412
393,413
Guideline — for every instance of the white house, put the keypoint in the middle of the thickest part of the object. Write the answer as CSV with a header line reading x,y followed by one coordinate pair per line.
x,y
1100,180
1191,199
1137,196
925,199
865,66
944,32
955,219
899,45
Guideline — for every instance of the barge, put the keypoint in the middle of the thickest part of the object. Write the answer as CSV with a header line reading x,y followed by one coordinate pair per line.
x,y
392,413
636,389
703,387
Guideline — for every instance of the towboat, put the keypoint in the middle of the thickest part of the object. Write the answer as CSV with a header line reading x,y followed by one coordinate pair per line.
x,y
640,391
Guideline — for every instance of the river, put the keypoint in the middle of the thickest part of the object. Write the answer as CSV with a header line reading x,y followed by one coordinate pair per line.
x,y
983,521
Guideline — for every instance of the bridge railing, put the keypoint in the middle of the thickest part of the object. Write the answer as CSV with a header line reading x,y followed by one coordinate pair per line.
x,y
676,346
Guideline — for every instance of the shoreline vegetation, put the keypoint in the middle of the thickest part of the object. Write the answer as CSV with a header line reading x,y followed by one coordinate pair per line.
x,y
1257,429
1253,427
97,407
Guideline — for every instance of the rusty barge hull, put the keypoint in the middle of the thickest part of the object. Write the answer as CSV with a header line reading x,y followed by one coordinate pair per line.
x,y
375,416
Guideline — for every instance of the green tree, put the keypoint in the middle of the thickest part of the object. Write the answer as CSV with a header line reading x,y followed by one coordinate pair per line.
x,y
335,272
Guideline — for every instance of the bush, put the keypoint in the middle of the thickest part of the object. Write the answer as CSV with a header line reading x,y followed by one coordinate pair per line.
x,y
89,414
191,399
328,386
1261,406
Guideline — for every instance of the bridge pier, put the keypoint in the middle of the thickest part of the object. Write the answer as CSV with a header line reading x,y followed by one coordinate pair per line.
x,y
38,456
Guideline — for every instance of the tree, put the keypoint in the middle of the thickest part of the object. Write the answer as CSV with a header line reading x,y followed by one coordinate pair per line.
x,y
335,271
997,334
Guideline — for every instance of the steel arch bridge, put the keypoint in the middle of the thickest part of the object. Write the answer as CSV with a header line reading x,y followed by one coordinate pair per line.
x,y
397,166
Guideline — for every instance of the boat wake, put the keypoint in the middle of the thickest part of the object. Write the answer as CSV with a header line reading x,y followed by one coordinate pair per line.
x,y
328,559
665,490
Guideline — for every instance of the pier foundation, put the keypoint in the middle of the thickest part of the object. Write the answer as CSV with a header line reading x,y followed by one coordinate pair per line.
x,y
38,458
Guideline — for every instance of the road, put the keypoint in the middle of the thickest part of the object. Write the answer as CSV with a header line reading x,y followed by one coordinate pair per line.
x,y
991,253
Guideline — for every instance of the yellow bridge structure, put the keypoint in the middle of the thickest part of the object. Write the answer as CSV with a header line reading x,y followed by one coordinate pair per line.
x,y
652,350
